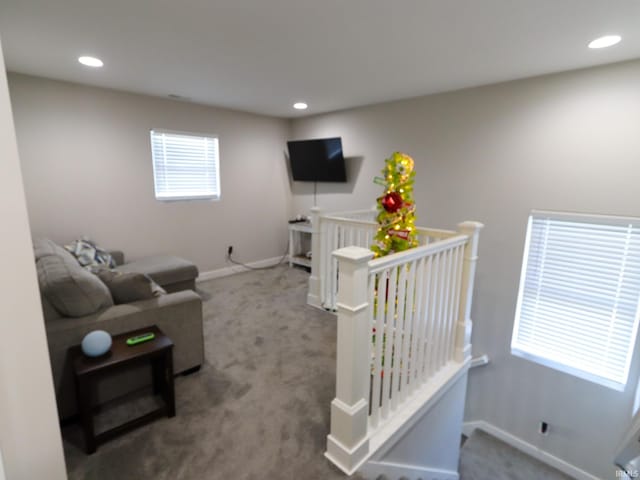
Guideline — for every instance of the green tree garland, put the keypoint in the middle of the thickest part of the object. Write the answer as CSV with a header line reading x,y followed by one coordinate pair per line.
x,y
396,210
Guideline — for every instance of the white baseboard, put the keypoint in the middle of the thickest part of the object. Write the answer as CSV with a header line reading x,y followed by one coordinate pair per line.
x,y
531,450
230,270
480,361
394,471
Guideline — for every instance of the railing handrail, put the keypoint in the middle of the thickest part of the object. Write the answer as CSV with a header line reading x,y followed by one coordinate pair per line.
x,y
346,220
437,232
346,213
341,218
333,230
400,258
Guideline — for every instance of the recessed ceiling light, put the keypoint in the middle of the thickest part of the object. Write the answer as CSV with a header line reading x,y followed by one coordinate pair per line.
x,y
91,61
606,41
300,106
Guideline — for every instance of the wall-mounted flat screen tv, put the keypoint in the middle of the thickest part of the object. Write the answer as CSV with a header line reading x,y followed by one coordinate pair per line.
x,y
318,160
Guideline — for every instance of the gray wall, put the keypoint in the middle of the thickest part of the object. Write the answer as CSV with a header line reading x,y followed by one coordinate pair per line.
x,y
30,443
563,142
87,171
434,440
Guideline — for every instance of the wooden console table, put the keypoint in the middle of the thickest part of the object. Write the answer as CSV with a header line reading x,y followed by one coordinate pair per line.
x,y
88,370
300,243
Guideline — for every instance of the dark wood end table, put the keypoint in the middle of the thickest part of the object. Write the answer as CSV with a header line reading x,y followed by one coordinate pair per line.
x,y
88,370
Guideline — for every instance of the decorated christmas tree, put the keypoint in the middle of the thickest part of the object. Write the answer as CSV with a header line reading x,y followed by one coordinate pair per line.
x,y
396,210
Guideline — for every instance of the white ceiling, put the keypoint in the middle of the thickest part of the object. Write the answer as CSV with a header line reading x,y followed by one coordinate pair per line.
x,y
263,55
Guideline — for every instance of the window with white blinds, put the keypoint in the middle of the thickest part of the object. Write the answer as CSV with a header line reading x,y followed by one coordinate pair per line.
x,y
577,307
185,166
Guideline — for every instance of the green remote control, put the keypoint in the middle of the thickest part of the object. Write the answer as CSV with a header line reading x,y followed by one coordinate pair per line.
x,y
143,337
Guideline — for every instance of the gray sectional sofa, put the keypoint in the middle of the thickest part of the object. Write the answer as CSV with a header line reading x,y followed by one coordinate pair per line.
x,y
67,287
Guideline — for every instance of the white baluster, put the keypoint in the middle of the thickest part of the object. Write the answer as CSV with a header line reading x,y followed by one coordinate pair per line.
x,y
448,320
424,319
333,283
397,338
457,280
373,323
448,254
407,331
388,331
380,329
335,245
348,444
442,279
314,295
418,324
432,319
328,262
464,325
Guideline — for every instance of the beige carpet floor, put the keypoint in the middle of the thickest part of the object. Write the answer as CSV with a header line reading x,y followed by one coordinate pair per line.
x,y
259,408
484,457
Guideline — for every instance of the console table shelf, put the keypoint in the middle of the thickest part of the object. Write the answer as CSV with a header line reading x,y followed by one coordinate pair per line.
x,y
299,244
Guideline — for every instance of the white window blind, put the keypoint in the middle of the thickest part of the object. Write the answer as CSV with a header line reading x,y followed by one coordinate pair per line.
x,y
577,307
185,166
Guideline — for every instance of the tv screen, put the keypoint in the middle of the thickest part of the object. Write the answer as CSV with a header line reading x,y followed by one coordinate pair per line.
x,y
318,160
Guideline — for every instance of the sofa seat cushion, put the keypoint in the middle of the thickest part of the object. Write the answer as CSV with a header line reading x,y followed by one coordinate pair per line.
x,y
71,290
163,269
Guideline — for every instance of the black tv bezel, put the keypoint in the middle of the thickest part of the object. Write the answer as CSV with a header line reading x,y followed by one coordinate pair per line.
x,y
342,178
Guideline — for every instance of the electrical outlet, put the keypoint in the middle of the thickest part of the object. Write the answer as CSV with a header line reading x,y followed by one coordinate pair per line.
x,y
544,428
229,250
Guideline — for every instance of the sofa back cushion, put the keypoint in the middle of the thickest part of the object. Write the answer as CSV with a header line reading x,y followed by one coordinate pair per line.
x,y
69,288
129,287
43,247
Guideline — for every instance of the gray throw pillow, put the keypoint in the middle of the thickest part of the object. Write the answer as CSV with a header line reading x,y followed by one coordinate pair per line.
x,y
128,287
71,290
88,253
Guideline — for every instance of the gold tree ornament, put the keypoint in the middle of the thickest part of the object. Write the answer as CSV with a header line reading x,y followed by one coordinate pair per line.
x,y
396,209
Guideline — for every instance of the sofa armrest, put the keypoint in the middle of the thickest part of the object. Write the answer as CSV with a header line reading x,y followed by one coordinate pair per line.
x,y
118,256
129,313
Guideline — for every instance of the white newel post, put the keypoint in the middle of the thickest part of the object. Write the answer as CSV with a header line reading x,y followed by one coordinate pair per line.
x,y
464,325
348,444
315,286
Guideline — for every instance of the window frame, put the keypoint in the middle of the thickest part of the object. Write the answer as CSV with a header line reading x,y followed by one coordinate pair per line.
x,y
516,347
187,198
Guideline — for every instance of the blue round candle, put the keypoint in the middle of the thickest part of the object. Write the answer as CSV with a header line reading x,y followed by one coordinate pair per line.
x,y
96,343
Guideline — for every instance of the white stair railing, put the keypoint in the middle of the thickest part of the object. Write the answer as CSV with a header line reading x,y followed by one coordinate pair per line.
x,y
403,325
333,231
